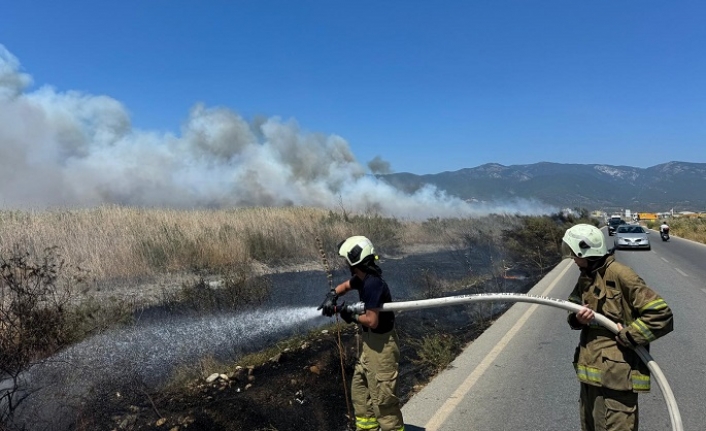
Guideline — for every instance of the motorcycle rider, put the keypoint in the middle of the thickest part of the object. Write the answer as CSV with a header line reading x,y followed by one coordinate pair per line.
x,y
609,370
374,389
664,229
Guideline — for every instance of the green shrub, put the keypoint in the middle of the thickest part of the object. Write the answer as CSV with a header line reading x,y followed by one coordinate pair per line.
x,y
435,352
537,242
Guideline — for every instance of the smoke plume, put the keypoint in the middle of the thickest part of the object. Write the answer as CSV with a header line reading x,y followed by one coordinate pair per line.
x,y
74,149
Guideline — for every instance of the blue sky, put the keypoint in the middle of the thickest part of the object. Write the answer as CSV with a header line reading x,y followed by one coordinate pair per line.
x,y
426,87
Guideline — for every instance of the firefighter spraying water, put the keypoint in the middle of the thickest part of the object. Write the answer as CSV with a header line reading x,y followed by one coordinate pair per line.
x,y
374,390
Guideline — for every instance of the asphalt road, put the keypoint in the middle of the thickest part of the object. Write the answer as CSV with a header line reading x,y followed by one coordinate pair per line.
x,y
518,374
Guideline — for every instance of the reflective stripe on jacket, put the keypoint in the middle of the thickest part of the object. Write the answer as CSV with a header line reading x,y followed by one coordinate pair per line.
x,y
617,292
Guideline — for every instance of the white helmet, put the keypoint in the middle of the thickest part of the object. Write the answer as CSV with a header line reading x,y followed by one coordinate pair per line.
x,y
356,249
583,240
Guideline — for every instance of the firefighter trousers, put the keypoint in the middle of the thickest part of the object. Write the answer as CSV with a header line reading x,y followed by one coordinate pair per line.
x,y
605,409
374,385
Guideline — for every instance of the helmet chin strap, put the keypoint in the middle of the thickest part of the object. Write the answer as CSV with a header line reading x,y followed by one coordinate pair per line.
x,y
594,264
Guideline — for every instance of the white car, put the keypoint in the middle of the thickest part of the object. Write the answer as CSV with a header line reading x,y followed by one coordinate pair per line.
x,y
631,236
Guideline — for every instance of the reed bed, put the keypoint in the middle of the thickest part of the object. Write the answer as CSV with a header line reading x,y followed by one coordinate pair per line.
x,y
119,242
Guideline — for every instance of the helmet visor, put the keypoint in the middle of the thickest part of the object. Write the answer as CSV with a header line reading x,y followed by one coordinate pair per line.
x,y
566,251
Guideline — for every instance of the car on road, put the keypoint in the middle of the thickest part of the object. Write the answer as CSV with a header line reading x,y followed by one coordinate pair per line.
x,y
613,223
633,236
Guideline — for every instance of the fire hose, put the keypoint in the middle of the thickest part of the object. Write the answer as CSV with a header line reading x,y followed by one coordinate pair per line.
x,y
656,371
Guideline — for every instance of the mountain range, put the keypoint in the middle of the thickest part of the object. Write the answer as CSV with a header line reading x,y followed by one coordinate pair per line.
x,y
674,185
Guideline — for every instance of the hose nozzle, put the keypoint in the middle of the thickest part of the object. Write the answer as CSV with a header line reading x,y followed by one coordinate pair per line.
x,y
356,308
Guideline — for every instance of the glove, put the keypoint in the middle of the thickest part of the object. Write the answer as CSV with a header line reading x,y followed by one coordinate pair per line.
x,y
328,307
347,315
625,338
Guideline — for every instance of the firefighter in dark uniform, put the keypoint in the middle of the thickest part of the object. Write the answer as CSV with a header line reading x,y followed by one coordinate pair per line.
x,y
374,386
610,372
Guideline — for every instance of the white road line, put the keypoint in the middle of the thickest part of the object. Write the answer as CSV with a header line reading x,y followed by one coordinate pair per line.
x,y
704,290
664,259
445,410
681,272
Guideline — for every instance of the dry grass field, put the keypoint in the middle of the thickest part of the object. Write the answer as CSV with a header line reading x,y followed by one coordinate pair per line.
x,y
126,242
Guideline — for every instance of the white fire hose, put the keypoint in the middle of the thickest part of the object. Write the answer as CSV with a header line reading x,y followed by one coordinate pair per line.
x,y
655,370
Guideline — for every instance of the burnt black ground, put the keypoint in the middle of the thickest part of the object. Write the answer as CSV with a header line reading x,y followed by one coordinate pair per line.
x,y
303,390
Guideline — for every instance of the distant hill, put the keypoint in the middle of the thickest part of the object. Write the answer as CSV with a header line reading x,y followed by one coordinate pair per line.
x,y
678,185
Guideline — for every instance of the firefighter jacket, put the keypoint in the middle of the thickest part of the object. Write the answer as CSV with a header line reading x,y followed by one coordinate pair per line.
x,y
617,292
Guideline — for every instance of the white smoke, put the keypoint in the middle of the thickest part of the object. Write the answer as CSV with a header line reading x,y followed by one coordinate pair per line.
x,y
74,149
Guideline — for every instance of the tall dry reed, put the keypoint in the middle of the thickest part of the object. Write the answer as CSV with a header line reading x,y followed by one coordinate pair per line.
x,y
129,242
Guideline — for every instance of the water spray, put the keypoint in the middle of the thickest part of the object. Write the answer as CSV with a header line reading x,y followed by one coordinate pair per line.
x,y
146,353
674,415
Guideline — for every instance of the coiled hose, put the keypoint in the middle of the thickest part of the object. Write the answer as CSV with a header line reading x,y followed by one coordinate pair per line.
x,y
656,371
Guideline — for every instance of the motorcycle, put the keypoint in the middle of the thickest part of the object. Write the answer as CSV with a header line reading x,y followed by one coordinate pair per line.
x,y
664,233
